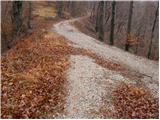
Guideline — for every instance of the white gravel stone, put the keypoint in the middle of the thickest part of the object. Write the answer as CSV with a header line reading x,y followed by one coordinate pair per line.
x,y
88,83
131,61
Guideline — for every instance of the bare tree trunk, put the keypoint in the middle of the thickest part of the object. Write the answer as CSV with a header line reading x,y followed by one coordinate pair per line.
x,y
92,12
59,5
137,34
154,23
97,19
30,15
107,13
67,6
49,3
112,23
73,10
16,16
129,25
104,11
101,22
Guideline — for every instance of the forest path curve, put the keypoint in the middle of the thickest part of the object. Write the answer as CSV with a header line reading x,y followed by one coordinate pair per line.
x,y
81,40
82,76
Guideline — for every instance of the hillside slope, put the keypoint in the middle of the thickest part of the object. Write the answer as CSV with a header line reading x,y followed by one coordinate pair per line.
x,y
147,68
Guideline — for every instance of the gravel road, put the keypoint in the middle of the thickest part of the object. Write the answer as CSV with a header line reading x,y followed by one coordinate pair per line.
x,y
149,68
88,82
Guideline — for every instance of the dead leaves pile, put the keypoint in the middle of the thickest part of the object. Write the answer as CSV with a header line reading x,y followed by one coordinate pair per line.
x,y
133,102
33,74
33,78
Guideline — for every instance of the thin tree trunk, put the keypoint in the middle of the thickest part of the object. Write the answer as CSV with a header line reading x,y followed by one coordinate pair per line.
x,y
97,19
101,22
153,27
16,16
59,5
68,6
92,12
129,25
112,23
49,3
104,11
30,15
73,9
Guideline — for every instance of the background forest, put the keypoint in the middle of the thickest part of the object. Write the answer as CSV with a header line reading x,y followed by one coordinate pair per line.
x,y
132,26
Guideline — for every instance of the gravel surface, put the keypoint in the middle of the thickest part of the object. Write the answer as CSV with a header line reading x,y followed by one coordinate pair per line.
x,y
88,84
149,68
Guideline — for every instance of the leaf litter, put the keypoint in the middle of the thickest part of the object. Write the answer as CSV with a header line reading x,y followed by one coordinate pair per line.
x,y
132,102
33,78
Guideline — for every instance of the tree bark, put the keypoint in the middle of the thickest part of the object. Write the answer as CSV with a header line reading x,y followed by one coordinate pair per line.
x,y
59,5
101,22
30,15
129,25
153,27
112,23
16,16
93,12
97,19
49,3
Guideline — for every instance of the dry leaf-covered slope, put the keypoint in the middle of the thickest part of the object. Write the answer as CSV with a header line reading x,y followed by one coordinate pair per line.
x,y
33,73
34,77
145,73
148,68
134,102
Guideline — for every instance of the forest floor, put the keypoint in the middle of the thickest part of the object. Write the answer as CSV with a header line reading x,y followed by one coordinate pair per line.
x,y
60,72
135,70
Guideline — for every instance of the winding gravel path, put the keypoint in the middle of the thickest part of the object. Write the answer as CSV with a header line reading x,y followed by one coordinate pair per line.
x,y
88,82
140,64
148,68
